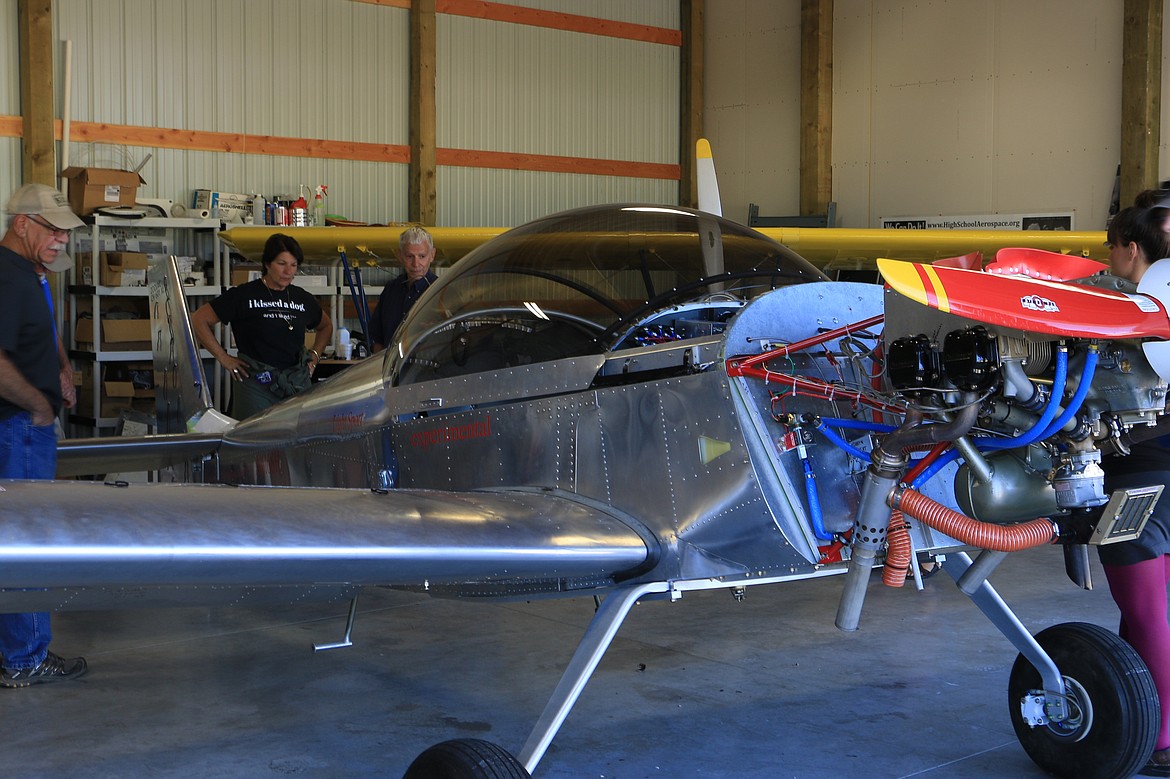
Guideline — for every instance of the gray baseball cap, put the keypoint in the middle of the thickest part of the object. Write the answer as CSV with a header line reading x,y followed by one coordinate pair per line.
x,y
49,204
43,200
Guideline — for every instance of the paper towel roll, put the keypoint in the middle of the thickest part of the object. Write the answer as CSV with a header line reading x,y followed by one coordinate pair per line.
x,y
202,213
178,210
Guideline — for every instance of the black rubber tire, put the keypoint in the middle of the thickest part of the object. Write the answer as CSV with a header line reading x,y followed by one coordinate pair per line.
x,y
1121,713
466,758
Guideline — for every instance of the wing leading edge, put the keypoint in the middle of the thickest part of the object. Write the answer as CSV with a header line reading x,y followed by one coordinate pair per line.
x,y
66,535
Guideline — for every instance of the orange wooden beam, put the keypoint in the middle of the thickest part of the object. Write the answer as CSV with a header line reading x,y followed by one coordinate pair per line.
x,y
239,143
553,20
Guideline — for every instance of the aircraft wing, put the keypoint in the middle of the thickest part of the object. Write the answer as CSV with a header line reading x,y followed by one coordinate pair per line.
x,y
825,247
68,535
322,243
828,247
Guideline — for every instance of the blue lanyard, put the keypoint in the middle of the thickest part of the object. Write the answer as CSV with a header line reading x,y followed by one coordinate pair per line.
x,y
52,314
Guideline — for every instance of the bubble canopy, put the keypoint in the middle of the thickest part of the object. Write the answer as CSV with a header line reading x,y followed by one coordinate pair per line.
x,y
576,282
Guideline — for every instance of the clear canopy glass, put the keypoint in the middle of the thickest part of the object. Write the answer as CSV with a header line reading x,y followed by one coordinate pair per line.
x,y
576,282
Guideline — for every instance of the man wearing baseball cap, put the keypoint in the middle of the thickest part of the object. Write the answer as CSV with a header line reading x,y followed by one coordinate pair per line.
x,y
36,381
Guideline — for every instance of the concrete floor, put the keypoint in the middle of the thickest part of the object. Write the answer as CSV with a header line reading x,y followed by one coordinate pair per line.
x,y
704,687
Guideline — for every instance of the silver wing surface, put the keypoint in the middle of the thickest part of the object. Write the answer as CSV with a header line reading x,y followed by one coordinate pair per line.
x,y
59,538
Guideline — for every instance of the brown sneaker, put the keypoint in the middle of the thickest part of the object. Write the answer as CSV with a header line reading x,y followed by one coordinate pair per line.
x,y
52,669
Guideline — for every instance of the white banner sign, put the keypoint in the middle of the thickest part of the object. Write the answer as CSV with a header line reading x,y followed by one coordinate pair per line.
x,y
981,222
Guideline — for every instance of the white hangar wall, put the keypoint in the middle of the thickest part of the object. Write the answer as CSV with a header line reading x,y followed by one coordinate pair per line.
x,y
939,106
319,89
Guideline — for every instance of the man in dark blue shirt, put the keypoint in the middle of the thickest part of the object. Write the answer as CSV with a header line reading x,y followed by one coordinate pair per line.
x,y
416,252
35,382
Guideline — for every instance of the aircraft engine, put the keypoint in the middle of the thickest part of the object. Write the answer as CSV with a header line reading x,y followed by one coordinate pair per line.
x,y
1032,455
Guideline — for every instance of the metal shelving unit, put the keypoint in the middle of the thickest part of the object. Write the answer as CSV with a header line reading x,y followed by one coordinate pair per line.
x,y
198,238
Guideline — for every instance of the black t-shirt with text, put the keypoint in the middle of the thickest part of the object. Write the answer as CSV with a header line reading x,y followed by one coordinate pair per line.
x,y
269,326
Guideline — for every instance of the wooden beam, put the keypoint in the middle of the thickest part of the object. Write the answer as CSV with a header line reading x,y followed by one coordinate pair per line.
x,y
422,193
691,105
1141,90
816,106
38,155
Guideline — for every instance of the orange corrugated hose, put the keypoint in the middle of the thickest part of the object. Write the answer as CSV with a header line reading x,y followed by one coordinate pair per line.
x,y
898,551
997,538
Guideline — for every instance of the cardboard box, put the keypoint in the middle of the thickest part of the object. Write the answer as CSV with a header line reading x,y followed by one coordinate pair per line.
x,y
110,406
243,273
83,268
125,389
123,269
117,334
94,188
222,205
128,380
124,331
312,282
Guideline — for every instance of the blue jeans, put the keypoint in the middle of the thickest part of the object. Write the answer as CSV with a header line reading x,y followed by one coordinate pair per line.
x,y
27,451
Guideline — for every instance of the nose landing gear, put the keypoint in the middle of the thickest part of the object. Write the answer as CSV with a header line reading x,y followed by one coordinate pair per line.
x,y
1109,716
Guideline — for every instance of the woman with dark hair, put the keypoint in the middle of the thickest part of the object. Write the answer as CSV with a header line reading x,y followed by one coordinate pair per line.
x,y
269,317
1138,571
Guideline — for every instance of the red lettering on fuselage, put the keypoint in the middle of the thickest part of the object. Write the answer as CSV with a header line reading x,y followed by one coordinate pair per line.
x,y
347,423
424,439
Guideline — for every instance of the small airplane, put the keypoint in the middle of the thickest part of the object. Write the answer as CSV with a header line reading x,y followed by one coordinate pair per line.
x,y
638,401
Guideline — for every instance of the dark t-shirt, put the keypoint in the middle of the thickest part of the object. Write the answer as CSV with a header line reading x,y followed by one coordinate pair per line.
x,y
1147,464
396,299
269,326
26,329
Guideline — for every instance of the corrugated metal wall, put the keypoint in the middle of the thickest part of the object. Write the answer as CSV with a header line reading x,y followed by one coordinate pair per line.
x,y
292,68
9,98
338,70
506,87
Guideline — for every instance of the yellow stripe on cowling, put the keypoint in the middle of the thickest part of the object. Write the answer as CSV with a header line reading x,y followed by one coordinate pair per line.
x,y
906,278
940,292
903,279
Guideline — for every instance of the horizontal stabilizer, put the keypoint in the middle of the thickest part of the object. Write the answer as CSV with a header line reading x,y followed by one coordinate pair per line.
x,y
112,454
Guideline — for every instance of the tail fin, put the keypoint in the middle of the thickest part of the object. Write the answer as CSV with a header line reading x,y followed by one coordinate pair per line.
x,y
183,397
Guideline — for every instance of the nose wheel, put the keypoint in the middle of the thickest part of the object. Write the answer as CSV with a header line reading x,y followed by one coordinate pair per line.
x,y
1106,726
466,758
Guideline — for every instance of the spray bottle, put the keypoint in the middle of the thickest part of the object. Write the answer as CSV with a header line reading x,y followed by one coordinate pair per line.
x,y
319,205
300,210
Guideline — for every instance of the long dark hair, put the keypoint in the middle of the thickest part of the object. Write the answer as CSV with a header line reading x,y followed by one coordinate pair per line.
x,y
1143,226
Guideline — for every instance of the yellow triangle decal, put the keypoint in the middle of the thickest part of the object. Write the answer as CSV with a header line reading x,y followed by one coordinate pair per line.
x,y
709,449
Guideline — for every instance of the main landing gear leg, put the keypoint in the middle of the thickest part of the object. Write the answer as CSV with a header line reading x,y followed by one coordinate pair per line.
x,y
987,600
594,643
